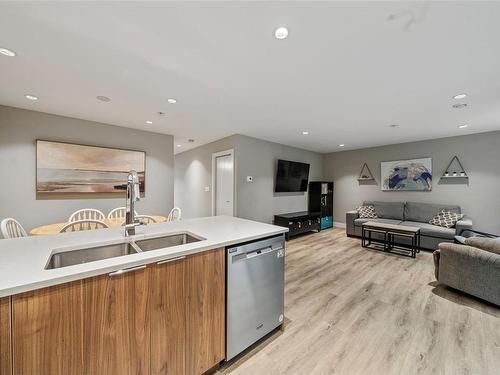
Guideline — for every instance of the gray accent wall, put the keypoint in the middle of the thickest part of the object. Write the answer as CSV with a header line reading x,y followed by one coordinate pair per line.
x,y
253,157
479,154
19,130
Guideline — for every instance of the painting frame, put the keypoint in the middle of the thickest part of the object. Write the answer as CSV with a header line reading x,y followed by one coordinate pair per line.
x,y
406,175
49,192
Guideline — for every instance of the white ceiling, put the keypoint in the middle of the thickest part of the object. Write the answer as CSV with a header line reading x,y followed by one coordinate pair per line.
x,y
345,73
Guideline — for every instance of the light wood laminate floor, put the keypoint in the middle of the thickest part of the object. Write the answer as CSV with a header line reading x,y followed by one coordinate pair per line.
x,y
350,310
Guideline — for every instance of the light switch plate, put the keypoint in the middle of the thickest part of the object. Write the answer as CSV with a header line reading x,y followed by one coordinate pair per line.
x,y
207,188
249,179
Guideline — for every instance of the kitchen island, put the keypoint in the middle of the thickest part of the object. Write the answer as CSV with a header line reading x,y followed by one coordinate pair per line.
x,y
157,311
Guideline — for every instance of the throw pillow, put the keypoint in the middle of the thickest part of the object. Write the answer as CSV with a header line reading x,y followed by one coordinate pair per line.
x,y
446,219
366,212
491,245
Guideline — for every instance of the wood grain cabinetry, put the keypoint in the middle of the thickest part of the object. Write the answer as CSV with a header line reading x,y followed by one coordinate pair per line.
x,y
116,323
47,331
5,337
205,274
166,318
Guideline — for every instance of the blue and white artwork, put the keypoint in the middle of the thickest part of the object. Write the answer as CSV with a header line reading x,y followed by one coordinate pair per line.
x,y
407,175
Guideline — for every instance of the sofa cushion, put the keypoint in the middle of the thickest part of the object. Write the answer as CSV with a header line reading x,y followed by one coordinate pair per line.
x,y
424,212
366,212
358,222
446,219
487,244
430,230
388,210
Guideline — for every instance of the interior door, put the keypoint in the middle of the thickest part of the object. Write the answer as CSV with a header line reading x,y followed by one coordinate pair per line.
x,y
224,189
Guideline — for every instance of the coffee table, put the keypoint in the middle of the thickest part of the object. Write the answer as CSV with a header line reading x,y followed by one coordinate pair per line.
x,y
390,232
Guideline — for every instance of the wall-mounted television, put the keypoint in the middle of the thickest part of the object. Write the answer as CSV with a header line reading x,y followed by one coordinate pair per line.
x,y
291,176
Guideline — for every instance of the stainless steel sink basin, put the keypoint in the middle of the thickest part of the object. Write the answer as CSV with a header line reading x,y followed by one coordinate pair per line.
x,y
91,254
79,255
166,241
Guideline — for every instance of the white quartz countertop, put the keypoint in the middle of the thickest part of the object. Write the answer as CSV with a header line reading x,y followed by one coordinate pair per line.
x,y
23,260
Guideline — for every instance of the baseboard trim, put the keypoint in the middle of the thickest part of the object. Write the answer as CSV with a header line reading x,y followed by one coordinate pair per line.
x,y
338,224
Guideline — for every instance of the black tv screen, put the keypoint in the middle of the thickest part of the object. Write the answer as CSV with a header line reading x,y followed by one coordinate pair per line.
x,y
291,176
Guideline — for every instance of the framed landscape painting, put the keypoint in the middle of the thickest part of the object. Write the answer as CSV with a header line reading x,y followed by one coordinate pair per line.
x,y
73,168
407,175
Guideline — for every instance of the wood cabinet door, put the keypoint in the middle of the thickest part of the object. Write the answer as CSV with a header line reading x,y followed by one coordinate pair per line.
x,y
205,288
116,324
5,337
47,331
168,318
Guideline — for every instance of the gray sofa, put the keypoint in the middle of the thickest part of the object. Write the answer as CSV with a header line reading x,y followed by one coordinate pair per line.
x,y
473,268
411,214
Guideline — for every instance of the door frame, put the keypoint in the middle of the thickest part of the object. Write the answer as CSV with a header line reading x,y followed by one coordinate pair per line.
x,y
215,155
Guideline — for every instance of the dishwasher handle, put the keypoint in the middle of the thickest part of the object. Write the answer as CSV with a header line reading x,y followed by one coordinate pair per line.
x,y
258,253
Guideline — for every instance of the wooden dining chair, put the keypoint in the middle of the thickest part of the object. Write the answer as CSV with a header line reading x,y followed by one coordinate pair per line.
x,y
11,228
119,213
80,225
146,219
175,214
87,214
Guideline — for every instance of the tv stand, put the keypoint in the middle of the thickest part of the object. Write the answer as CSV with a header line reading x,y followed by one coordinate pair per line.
x,y
299,222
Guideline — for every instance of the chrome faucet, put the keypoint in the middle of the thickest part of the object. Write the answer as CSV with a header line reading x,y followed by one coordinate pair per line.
x,y
133,195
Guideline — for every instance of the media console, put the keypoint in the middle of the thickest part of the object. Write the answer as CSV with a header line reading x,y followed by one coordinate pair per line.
x,y
299,222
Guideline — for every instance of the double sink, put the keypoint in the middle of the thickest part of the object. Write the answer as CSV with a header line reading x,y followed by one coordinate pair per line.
x,y
80,255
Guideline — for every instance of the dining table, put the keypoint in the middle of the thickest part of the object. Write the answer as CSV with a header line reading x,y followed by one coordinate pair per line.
x,y
112,223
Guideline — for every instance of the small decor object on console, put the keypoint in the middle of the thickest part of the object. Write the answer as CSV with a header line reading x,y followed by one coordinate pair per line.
x,y
407,175
446,219
366,212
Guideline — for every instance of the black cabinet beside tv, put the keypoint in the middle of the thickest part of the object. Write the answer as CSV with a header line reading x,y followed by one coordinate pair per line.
x,y
321,200
299,222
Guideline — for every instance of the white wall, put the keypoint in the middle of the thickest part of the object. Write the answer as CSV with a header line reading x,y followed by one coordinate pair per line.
x,y
253,157
479,154
193,172
19,130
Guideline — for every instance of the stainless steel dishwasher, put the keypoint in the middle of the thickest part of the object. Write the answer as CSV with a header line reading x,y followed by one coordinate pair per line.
x,y
255,292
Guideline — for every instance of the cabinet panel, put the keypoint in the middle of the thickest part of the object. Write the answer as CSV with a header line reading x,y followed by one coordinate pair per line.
x,y
47,331
5,337
205,283
168,318
117,324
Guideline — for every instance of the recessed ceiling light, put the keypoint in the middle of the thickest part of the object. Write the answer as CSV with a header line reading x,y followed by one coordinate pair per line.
x,y
460,96
281,33
7,52
341,145
462,126
458,106
149,122
103,98
172,100
305,133
31,97
179,145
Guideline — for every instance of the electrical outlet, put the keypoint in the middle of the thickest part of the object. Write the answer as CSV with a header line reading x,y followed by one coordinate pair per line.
x,y
249,179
